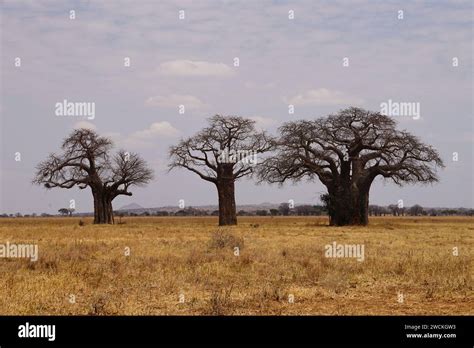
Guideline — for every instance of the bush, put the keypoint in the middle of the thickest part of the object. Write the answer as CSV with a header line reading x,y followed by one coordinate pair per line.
x,y
221,239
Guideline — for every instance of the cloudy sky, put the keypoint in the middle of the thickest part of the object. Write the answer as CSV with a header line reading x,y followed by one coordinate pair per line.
x,y
405,51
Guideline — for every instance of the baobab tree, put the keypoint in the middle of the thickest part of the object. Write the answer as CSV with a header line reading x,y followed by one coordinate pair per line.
x,y
85,161
416,210
66,211
346,152
222,153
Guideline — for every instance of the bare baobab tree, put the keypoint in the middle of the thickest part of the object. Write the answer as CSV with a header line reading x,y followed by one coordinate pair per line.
x,y
86,162
346,152
221,153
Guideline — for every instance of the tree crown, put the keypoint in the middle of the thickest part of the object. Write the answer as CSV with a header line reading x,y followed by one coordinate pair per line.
x,y
227,146
86,161
355,145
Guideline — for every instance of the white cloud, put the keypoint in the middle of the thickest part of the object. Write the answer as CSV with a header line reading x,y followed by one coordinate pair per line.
x,y
263,122
115,136
157,129
146,137
194,68
190,102
84,124
323,96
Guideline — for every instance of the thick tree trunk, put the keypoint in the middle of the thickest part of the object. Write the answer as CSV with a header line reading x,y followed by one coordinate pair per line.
x,y
227,210
349,206
360,207
341,204
103,212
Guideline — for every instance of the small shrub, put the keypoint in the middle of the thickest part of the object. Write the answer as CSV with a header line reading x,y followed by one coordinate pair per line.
x,y
99,305
219,302
223,239
273,291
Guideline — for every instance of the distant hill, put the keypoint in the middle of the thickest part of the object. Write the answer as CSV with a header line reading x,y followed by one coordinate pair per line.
x,y
136,208
131,206
376,210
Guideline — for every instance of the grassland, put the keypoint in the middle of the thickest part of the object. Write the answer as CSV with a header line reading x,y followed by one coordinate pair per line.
x,y
181,266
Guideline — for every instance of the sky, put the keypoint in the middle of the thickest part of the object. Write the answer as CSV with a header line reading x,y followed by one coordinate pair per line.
x,y
320,56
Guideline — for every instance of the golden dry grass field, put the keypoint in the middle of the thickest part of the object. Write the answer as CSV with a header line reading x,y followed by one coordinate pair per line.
x,y
183,266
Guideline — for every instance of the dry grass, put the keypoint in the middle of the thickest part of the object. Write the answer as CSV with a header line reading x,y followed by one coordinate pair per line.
x,y
188,258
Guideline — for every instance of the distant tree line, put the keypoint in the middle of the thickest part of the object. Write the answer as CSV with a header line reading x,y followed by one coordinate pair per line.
x,y
417,210
282,210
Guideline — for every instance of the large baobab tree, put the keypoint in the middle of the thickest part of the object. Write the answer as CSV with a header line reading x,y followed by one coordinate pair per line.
x,y
85,161
221,153
346,152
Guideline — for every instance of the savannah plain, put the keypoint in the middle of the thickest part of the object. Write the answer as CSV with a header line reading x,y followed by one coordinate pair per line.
x,y
187,266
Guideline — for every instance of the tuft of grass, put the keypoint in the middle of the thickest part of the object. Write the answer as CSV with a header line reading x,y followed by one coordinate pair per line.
x,y
219,302
222,239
